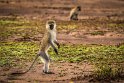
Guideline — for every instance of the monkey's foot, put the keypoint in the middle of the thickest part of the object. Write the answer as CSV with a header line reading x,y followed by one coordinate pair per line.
x,y
48,72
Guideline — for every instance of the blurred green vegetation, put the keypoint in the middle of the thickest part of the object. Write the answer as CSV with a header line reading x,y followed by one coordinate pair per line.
x,y
108,60
72,53
31,28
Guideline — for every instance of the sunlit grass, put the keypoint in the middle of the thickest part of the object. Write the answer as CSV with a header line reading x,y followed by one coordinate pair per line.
x,y
30,28
107,59
70,53
12,52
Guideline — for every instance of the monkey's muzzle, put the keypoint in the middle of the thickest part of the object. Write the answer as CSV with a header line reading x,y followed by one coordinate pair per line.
x,y
51,26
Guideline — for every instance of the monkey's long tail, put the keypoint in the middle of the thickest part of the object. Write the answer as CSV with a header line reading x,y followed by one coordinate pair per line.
x,y
15,73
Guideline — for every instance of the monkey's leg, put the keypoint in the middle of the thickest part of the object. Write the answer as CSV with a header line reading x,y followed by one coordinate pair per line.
x,y
75,17
71,18
46,66
46,60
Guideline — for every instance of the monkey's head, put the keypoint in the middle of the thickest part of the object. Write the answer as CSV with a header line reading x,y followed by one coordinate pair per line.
x,y
51,25
79,8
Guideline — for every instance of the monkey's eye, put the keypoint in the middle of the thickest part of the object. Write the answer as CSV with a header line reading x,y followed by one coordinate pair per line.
x,y
51,26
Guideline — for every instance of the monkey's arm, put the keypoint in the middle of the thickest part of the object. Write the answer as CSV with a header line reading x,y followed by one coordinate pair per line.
x,y
57,43
52,45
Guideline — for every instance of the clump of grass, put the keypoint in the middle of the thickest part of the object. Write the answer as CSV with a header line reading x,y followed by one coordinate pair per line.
x,y
11,23
108,72
69,26
13,53
98,33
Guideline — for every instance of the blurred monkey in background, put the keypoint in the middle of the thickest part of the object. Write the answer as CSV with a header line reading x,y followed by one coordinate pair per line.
x,y
74,13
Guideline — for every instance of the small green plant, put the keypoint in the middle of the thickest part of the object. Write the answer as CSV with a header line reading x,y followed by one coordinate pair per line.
x,y
108,72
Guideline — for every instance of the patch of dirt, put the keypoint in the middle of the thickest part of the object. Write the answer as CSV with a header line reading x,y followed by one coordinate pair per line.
x,y
110,38
63,72
79,37
59,9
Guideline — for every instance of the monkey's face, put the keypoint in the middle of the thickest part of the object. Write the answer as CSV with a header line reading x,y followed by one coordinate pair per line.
x,y
51,25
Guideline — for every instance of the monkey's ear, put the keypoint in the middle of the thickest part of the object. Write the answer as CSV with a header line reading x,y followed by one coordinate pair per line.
x,y
53,17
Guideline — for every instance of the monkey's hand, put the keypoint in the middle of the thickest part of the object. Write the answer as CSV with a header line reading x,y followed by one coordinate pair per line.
x,y
56,51
58,45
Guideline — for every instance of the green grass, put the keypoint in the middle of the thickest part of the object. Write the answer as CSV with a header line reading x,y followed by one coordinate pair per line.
x,y
108,72
12,52
30,28
71,53
21,28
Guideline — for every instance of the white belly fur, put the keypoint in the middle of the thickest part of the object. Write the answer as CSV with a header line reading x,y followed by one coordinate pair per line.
x,y
53,35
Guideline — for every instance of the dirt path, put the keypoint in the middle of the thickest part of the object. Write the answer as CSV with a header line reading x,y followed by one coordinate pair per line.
x,y
63,72
106,39
59,9
110,38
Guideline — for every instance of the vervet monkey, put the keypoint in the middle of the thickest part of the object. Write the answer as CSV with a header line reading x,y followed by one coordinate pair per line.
x,y
48,40
74,13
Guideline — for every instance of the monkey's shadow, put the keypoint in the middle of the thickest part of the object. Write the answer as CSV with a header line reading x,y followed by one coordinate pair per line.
x,y
48,73
14,75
